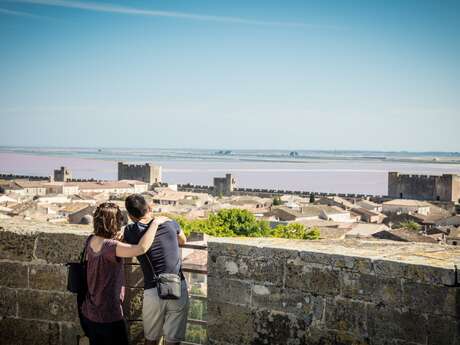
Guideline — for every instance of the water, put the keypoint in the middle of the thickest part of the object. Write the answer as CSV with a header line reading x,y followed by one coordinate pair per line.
x,y
320,171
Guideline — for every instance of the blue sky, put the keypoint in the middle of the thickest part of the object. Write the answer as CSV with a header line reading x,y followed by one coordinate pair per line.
x,y
375,75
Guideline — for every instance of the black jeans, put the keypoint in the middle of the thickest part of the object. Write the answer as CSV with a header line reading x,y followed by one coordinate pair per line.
x,y
110,333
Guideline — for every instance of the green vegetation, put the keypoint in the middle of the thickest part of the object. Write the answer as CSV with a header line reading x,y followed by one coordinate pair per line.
x,y
237,222
410,225
312,197
277,201
296,231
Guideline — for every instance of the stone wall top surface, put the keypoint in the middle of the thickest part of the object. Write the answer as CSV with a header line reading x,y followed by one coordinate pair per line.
x,y
435,255
22,226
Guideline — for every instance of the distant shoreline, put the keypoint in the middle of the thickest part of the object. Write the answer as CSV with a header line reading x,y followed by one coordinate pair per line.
x,y
327,175
278,156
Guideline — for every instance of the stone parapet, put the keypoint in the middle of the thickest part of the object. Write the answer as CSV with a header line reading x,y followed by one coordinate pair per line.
x,y
274,291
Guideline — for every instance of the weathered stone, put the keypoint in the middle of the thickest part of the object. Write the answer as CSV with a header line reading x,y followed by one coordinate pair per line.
x,y
276,328
257,269
17,245
30,332
229,291
48,277
133,276
371,288
349,263
346,315
417,273
71,333
136,333
132,305
8,302
13,274
385,322
443,330
230,323
59,248
312,279
295,302
45,305
432,299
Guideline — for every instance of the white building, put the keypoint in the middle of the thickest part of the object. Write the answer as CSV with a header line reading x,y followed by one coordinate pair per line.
x,y
406,206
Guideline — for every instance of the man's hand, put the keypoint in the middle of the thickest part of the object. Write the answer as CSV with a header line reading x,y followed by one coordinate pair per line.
x,y
161,219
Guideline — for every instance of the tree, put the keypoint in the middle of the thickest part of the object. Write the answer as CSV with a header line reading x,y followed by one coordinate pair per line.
x,y
238,222
296,231
312,197
410,225
277,201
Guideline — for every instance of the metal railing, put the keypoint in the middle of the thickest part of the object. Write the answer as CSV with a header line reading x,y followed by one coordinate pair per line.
x,y
202,323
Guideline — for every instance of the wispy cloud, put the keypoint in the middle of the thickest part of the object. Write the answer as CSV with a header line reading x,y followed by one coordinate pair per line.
x,y
117,9
18,13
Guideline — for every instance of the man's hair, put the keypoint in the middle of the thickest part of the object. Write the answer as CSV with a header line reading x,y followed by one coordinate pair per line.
x,y
136,205
108,220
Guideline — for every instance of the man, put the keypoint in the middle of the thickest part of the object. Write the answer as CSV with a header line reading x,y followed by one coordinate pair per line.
x,y
161,317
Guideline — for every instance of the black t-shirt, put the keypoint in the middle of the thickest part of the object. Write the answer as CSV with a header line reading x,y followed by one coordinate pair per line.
x,y
164,254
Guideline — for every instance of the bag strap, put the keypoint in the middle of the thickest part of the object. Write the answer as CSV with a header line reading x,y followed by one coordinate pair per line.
x,y
148,259
83,252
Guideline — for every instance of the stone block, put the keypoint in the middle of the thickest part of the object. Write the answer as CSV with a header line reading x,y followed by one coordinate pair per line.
x,y
45,305
349,263
17,245
309,307
8,302
321,281
386,322
30,332
132,305
443,330
371,288
59,248
136,333
48,277
230,323
13,274
133,276
71,333
260,269
277,328
432,299
229,291
346,316
416,273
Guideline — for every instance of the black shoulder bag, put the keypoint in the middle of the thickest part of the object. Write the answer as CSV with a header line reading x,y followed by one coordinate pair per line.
x,y
168,284
76,275
77,281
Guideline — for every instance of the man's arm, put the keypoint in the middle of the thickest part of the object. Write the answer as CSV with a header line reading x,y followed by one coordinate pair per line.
x,y
181,238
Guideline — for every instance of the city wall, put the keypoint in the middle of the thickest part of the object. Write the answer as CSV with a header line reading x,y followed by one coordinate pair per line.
x,y
272,291
270,193
23,177
261,291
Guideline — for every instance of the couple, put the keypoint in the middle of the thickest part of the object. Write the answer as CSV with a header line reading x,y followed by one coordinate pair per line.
x,y
155,242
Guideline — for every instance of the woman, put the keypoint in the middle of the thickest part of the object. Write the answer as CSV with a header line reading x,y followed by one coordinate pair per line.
x,y
102,307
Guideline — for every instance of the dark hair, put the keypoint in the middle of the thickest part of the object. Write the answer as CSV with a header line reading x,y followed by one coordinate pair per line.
x,y
136,205
108,220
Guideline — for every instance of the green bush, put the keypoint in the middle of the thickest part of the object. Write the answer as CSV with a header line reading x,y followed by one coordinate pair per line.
x,y
410,225
237,222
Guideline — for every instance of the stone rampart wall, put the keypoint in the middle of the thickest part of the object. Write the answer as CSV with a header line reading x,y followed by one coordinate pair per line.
x,y
264,291
36,307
